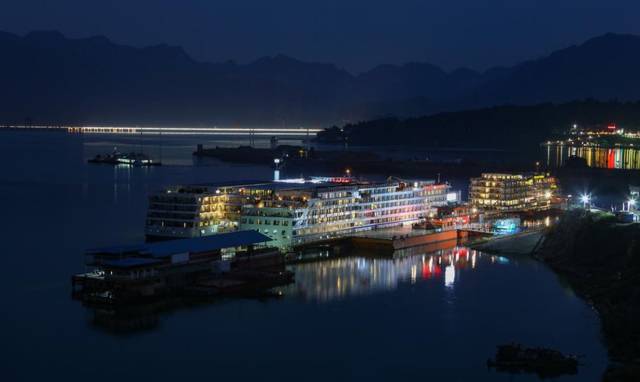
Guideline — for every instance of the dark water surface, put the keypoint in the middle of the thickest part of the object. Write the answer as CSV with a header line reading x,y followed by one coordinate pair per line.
x,y
431,317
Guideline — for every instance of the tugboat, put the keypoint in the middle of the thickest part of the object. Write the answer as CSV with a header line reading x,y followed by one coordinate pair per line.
x,y
130,159
545,362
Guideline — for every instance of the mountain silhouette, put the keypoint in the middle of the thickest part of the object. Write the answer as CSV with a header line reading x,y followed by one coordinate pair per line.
x,y
604,68
48,78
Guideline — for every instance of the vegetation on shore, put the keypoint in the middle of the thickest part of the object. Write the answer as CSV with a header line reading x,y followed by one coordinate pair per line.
x,y
295,159
600,258
500,127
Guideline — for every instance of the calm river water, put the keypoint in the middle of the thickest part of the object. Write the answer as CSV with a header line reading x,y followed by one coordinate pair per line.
x,y
431,317
627,158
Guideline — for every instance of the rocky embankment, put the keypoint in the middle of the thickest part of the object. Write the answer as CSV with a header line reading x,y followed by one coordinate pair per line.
x,y
601,260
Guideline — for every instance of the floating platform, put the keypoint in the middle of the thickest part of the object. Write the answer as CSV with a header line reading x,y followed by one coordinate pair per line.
x,y
389,242
132,273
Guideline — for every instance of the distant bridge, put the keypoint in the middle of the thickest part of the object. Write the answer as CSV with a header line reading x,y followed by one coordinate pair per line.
x,y
258,131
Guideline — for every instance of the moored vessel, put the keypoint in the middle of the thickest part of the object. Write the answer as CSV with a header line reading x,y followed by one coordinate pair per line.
x,y
127,159
545,362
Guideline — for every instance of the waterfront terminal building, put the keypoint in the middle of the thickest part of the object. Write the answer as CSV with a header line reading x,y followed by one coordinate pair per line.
x,y
512,192
294,211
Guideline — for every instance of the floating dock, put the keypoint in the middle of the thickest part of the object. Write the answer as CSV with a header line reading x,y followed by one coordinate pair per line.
x,y
389,242
131,273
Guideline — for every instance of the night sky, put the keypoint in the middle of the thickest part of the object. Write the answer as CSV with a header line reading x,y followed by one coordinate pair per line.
x,y
356,35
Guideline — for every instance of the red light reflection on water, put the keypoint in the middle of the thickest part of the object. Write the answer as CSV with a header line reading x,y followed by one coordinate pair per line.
x,y
350,276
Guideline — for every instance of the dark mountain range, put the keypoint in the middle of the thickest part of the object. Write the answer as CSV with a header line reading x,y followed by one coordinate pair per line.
x,y
48,78
604,67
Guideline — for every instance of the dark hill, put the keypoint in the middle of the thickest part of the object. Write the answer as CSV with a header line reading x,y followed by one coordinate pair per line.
x,y
604,67
49,78
502,127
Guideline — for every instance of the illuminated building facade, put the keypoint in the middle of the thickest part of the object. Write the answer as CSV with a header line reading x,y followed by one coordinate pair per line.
x,y
512,192
293,212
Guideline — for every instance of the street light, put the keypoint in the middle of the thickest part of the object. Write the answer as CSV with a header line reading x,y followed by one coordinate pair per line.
x,y
630,203
276,171
585,199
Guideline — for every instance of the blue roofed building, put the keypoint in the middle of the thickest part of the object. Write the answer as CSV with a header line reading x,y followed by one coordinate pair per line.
x,y
148,268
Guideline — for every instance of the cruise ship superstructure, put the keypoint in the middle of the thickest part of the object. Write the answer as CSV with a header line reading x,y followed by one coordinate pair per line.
x,y
295,211
199,210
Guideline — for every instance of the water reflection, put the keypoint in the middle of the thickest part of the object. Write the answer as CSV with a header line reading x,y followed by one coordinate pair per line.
x,y
320,280
600,157
339,278
148,316
48,332
546,220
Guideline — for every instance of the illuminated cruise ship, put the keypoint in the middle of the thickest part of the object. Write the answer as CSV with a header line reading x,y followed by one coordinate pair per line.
x,y
199,210
294,211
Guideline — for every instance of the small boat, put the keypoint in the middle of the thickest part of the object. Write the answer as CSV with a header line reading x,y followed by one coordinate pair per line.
x,y
127,159
545,362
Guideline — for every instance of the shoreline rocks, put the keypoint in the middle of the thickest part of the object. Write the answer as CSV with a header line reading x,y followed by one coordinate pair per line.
x,y
600,258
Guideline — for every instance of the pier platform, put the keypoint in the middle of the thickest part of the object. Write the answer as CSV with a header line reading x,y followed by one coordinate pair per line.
x,y
522,243
397,240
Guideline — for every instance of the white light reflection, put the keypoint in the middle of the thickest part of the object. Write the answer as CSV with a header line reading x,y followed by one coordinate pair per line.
x,y
449,276
338,278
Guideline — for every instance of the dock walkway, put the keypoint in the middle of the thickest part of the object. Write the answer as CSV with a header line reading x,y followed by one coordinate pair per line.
x,y
523,243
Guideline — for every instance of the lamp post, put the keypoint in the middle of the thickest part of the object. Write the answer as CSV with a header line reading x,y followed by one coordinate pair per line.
x,y
585,199
276,171
630,203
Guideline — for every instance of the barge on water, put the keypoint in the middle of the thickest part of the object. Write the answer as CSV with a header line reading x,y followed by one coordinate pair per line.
x,y
126,159
227,263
